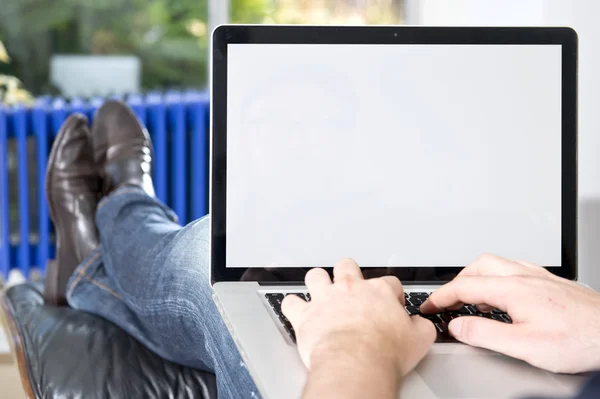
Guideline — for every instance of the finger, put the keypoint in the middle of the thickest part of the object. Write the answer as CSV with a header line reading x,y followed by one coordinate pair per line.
x,y
346,269
293,307
509,339
492,265
456,306
529,264
488,265
423,335
536,270
498,292
394,284
316,280
484,308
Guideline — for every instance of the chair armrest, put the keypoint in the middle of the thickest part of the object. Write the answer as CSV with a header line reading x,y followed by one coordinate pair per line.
x,y
65,353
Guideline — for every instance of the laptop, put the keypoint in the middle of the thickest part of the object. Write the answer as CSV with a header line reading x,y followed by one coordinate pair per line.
x,y
409,149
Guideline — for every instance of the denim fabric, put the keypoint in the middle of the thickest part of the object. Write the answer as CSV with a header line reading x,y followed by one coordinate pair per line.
x,y
150,277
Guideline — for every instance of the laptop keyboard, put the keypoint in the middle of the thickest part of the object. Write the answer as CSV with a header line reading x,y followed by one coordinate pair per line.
x,y
413,302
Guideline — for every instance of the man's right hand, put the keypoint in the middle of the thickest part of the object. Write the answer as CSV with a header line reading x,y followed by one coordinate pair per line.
x,y
556,322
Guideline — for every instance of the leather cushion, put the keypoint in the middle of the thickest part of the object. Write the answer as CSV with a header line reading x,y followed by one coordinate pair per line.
x,y
64,353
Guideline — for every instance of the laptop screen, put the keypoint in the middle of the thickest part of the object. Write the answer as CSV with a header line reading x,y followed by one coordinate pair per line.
x,y
394,155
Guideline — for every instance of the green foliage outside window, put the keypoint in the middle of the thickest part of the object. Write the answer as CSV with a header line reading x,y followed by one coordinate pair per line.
x,y
169,36
166,35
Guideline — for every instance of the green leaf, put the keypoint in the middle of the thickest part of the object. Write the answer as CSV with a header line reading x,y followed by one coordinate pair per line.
x,y
44,17
250,11
186,49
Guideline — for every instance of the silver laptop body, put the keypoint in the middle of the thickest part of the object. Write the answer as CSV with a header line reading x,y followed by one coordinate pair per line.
x,y
403,148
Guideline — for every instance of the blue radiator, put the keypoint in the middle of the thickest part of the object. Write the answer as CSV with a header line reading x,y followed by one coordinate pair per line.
x,y
178,125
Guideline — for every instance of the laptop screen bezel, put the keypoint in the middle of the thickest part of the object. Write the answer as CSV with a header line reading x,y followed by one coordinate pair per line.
x,y
262,34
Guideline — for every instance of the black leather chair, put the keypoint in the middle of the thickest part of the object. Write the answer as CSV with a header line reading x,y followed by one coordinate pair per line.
x,y
64,353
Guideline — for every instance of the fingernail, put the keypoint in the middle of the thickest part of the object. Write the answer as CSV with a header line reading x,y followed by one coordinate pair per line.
x,y
455,326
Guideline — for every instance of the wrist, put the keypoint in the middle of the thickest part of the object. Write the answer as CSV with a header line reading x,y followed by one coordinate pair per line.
x,y
356,356
358,346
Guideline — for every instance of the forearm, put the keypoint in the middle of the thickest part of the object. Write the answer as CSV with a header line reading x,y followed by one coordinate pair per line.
x,y
357,373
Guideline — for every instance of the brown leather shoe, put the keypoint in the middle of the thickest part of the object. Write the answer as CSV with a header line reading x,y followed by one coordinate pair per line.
x,y
72,187
122,148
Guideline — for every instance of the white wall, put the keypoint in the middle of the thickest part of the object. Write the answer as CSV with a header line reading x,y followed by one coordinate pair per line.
x,y
582,15
473,12
95,75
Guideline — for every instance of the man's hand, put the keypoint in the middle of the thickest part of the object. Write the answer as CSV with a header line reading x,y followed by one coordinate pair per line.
x,y
556,322
356,333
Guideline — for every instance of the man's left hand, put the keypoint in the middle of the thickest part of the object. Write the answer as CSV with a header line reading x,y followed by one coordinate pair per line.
x,y
361,320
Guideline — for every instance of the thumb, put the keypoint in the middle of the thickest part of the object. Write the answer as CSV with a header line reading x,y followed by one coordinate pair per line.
x,y
509,339
425,329
423,336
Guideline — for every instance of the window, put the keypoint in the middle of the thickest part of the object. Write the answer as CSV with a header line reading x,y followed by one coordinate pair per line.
x,y
147,44
159,44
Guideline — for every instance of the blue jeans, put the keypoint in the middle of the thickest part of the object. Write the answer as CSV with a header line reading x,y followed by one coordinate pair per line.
x,y
150,277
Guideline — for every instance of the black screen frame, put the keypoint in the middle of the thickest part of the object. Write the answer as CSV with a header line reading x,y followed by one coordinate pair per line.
x,y
250,34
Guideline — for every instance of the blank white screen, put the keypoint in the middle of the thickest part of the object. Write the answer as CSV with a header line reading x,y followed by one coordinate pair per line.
x,y
396,155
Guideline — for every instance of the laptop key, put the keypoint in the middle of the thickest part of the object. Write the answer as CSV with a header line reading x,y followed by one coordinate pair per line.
x,y
272,300
276,307
298,294
413,302
417,300
271,297
292,336
466,309
497,317
444,337
275,302
446,317
413,310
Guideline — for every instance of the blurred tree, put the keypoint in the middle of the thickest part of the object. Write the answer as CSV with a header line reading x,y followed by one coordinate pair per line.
x,y
11,90
169,36
251,11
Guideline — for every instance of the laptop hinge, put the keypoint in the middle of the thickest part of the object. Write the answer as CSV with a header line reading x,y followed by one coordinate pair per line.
x,y
280,282
406,283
